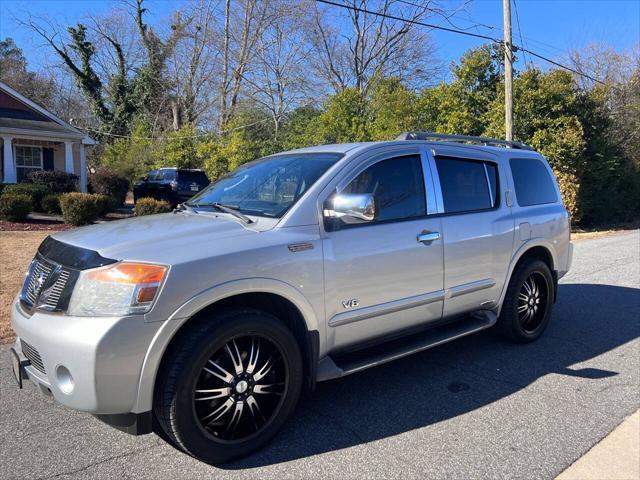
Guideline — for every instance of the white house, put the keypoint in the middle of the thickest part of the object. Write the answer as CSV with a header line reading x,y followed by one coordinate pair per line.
x,y
35,139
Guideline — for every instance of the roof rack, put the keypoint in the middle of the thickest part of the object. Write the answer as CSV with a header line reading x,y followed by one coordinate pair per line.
x,y
494,142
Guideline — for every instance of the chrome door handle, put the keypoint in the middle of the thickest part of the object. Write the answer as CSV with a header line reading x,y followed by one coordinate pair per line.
x,y
428,237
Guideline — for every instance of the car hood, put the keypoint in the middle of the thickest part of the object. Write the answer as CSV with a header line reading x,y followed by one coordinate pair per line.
x,y
153,237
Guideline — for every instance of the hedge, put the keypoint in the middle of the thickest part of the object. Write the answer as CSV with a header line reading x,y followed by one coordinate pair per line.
x,y
108,183
104,203
151,206
34,191
55,180
79,208
15,207
51,203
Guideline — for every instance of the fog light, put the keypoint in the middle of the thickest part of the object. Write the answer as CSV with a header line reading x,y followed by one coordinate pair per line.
x,y
65,380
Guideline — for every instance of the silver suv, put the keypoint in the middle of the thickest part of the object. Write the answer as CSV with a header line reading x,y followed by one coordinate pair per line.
x,y
205,324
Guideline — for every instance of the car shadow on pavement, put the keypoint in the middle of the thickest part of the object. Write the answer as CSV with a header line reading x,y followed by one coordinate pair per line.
x,y
459,377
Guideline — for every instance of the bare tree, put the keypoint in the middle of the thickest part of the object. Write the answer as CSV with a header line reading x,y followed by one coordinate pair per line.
x,y
243,27
280,81
376,45
194,63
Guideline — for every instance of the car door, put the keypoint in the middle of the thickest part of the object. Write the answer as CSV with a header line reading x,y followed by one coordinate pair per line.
x,y
146,189
477,227
380,277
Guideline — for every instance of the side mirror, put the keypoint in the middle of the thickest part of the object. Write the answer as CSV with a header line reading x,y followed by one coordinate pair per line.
x,y
351,207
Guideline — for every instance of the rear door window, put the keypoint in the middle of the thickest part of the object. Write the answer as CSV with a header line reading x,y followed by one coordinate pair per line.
x,y
467,185
532,182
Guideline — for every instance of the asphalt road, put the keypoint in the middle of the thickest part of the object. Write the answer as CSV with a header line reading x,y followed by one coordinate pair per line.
x,y
475,408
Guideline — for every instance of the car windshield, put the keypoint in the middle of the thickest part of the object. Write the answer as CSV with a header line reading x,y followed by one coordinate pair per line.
x,y
269,186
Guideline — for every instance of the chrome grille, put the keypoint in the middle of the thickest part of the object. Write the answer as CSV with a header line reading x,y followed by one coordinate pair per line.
x,y
57,289
45,285
33,356
39,270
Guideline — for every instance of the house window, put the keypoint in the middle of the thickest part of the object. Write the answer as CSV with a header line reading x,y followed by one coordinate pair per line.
x,y
27,159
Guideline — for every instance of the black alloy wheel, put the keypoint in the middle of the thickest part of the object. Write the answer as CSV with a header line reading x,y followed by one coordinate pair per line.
x,y
241,388
528,303
227,384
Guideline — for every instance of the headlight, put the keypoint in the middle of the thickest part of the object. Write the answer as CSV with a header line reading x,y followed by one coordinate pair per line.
x,y
120,289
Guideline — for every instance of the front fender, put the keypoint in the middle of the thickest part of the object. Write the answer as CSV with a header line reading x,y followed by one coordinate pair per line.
x,y
195,304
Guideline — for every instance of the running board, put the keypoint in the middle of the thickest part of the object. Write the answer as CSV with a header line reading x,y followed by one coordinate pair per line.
x,y
330,368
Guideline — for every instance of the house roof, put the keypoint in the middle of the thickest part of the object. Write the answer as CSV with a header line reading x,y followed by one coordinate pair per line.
x,y
13,123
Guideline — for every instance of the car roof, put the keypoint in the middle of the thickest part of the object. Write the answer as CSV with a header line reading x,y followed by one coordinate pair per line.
x,y
352,147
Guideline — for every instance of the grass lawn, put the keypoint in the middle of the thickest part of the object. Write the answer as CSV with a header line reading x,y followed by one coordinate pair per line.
x,y
16,251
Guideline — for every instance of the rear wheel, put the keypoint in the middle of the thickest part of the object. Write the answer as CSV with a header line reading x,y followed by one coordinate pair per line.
x,y
229,385
528,303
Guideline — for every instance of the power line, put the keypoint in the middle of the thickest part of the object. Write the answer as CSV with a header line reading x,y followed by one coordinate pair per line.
x,y
446,17
461,32
407,20
515,5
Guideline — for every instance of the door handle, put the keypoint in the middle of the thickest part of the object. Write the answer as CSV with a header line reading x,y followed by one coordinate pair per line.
x,y
428,237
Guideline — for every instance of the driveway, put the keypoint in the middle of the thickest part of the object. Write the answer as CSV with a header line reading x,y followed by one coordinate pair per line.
x,y
475,408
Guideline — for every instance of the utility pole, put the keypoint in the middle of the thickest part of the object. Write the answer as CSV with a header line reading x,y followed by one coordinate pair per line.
x,y
508,71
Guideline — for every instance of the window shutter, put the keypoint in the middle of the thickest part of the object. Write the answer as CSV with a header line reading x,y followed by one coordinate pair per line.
x,y
47,158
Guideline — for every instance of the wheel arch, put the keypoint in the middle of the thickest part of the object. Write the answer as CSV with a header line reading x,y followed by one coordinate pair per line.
x,y
535,248
267,295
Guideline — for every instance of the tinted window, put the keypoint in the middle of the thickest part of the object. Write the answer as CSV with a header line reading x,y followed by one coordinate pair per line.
x,y
465,184
153,175
532,182
397,186
189,176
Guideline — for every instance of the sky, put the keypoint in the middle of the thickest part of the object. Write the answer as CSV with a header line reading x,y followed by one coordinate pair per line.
x,y
549,27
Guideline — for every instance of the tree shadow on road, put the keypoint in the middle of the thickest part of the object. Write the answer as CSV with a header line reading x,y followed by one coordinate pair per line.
x,y
457,378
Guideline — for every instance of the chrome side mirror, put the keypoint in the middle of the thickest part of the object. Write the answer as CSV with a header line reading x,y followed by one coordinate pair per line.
x,y
351,207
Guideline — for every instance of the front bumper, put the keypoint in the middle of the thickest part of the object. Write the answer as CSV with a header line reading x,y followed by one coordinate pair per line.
x,y
103,355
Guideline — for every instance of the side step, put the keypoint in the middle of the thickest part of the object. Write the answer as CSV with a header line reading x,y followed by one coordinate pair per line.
x,y
329,368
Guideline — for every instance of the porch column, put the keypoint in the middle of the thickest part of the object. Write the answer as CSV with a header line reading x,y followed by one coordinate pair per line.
x,y
9,164
68,157
83,169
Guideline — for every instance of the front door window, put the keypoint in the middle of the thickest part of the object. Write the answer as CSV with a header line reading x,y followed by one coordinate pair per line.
x,y
27,159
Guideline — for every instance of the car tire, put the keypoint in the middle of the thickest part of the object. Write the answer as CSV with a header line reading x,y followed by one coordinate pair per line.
x,y
527,306
241,360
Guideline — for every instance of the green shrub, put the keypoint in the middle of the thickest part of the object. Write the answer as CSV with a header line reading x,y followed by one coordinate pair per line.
x,y
104,203
2,185
55,180
109,183
151,206
34,191
78,208
50,203
15,207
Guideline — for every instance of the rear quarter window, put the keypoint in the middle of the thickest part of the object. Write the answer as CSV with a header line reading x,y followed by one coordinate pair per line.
x,y
532,182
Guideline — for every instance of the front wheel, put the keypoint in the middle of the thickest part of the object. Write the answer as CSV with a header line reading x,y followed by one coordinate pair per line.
x,y
528,303
228,385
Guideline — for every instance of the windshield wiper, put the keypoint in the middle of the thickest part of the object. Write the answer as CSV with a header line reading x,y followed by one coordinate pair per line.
x,y
181,207
224,208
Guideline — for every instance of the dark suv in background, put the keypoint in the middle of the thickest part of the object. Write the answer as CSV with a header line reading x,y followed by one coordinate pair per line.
x,y
171,184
